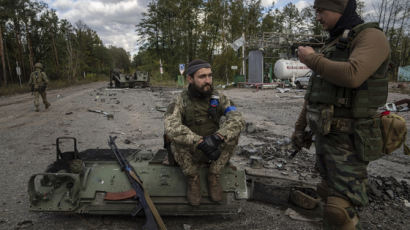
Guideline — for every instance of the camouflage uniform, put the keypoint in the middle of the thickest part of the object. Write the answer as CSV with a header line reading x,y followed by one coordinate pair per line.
x,y
348,85
187,121
38,81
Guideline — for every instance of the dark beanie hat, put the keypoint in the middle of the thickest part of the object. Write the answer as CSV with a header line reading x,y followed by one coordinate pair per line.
x,y
332,5
195,65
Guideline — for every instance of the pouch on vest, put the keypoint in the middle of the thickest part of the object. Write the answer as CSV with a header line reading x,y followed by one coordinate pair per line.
x,y
368,139
319,118
394,132
213,108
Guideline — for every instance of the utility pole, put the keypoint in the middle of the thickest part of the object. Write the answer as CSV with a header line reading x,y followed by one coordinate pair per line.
x,y
243,57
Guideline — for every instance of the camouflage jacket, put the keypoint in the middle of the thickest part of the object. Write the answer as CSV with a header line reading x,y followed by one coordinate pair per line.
x,y
38,79
187,118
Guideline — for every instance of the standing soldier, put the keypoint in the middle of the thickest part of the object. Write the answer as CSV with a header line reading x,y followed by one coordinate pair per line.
x,y
348,85
193,125
38,82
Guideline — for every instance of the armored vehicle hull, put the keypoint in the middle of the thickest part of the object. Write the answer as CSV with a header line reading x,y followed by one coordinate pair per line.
x,y
120,80
99,186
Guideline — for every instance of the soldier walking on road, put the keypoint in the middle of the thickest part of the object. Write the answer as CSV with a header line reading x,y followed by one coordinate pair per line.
x,y
193,125
348,85
38,83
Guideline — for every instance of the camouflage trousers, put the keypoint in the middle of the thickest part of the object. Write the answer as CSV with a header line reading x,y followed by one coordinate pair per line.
x,y
190,159
340,167
43,95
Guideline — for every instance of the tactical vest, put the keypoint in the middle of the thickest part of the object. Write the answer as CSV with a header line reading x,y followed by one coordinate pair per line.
x,y
196,116
38,78
361,102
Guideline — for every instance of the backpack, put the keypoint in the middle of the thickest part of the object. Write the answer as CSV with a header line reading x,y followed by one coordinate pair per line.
x,y
394,132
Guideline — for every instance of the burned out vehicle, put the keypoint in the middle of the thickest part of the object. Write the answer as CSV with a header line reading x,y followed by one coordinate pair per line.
x,y
121,80
93,182
96,181
302,82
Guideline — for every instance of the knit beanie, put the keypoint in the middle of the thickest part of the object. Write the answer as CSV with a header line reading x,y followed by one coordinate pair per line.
x,y
195,65
332,5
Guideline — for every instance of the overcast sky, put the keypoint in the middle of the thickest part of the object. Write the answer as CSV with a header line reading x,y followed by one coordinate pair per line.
x,y
115,20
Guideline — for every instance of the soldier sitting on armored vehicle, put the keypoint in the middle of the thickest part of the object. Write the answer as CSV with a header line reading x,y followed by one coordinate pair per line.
x,y
193,125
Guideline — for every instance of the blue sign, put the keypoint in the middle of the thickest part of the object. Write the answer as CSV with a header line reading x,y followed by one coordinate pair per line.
x,y
181,68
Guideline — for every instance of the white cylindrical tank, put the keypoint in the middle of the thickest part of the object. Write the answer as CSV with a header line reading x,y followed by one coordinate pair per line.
x,y
289,69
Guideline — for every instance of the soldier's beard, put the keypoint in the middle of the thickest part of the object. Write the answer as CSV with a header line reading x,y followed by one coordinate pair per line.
x,y
200,91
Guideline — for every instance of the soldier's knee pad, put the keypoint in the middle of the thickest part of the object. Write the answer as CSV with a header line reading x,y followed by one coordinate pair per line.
x,y
335,213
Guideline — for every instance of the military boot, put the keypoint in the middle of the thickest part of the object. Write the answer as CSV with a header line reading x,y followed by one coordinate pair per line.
x,y
339,214
194,190
214,186
47,105
37,110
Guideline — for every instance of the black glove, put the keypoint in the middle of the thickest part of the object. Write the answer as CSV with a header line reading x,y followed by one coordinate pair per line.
x,y
213,156
210,145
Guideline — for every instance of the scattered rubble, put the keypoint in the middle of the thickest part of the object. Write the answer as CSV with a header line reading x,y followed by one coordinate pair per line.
x,y
283,90
108,115
381,189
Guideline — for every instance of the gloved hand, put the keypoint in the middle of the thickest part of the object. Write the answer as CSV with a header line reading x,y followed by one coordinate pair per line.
x,y
213,156
210,145
32,87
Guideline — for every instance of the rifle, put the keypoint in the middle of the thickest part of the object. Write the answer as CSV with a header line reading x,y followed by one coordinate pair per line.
x,y
32,89
307,143
144,200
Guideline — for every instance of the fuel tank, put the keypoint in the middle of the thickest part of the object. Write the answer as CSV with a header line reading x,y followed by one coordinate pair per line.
x,y
289,69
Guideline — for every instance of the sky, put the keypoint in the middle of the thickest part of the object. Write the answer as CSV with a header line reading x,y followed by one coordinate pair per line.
x,y
115,20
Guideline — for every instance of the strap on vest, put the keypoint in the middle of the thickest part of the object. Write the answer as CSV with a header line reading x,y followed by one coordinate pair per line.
x,y
213,107
344,40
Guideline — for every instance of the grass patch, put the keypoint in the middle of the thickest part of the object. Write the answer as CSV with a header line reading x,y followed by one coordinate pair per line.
x,y
163,82
12,89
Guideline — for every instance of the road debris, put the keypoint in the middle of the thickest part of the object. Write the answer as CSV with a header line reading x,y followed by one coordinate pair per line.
x,y
108,115
161,108
283,90
256,162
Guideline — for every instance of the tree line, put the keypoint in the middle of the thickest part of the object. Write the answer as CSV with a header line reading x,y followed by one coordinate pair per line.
x,y
31,32
171,32
176,31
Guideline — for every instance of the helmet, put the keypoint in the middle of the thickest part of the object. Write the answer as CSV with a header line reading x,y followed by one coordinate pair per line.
x,y
38,65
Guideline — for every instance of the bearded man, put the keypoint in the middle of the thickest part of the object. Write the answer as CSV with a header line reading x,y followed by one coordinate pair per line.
x,y
197,133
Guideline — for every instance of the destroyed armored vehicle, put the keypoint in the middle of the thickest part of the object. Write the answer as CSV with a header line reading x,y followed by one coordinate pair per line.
x,y
93,182
142,78
121,80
